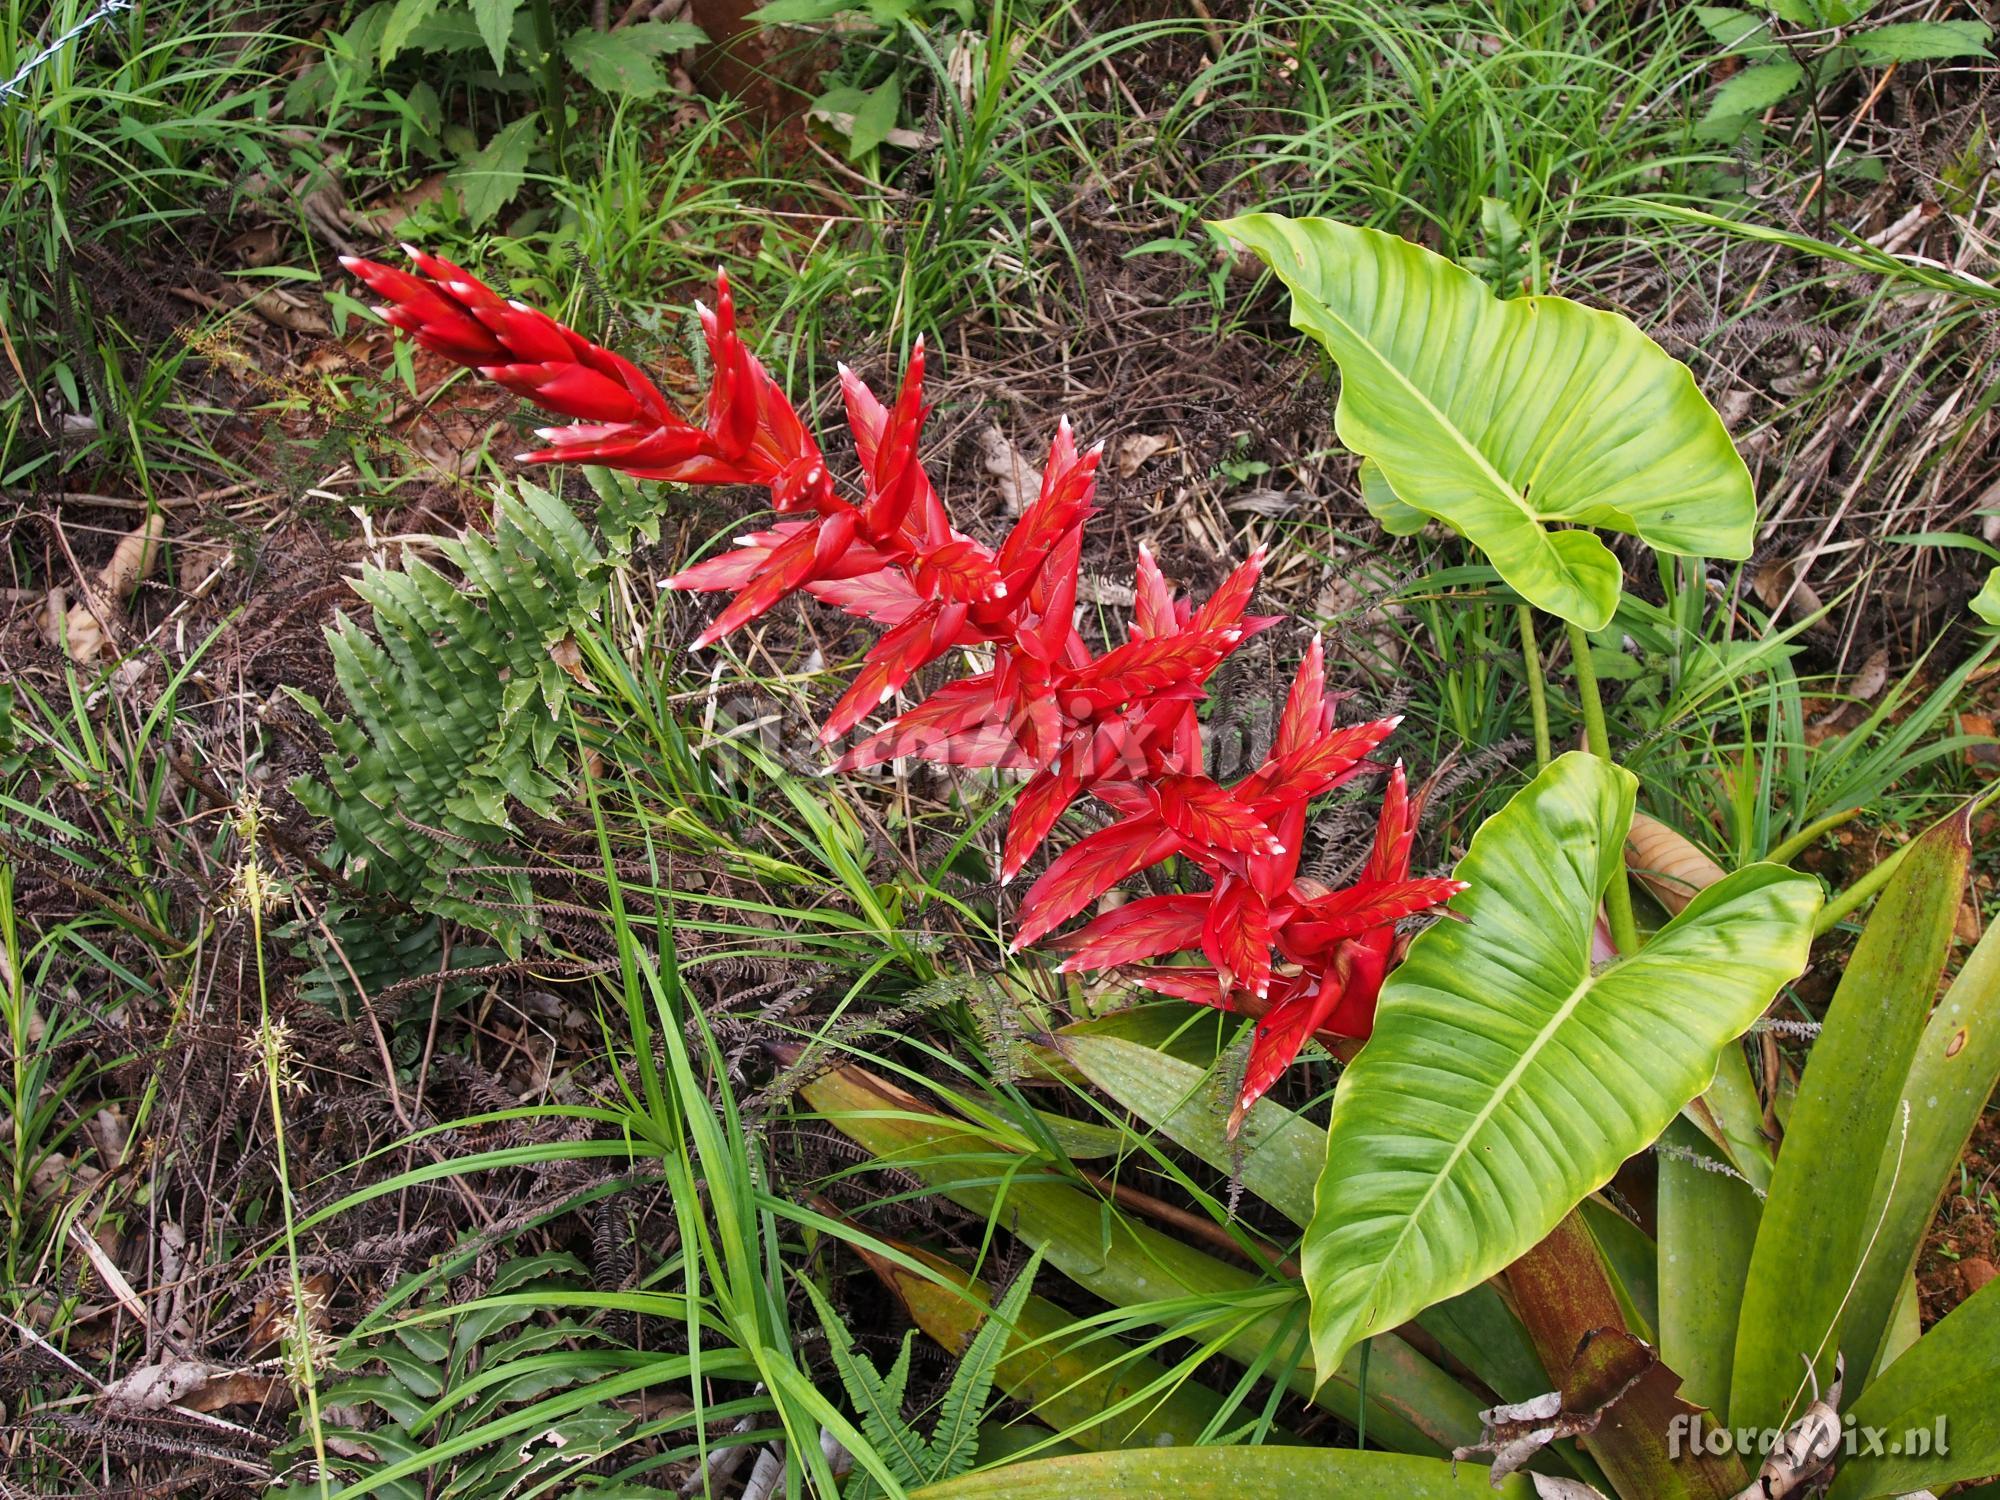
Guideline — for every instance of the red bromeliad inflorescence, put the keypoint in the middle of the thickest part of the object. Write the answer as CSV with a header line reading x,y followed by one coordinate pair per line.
x,y
1122,726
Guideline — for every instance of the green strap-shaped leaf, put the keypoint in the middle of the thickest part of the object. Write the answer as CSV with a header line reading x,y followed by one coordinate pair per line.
x,y
1411,1403
1932,1413
1707,1221
1510,419
1952,1077
1094,1390
1506,1080
1230,1473
1846,1122
1278,1158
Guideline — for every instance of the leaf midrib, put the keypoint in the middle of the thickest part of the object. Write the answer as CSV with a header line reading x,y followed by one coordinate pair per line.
x,y
1487,1111
1457,433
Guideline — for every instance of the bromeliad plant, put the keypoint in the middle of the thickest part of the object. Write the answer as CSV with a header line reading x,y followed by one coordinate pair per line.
x,y
1121,726
1515,1065
1512,1065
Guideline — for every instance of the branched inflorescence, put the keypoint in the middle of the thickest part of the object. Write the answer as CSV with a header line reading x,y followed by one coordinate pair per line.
x,y
1121,726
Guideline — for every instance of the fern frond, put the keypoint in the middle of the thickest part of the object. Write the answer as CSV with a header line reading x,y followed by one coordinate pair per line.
x,y
454,703
955,1439
878,1403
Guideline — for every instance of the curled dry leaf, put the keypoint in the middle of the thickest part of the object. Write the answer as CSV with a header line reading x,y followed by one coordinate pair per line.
x,y
234,1388
1608,1367
1778,582
1138,448
1667,864
566,654
1020,481
152,1387
1556,1487
86,633
1808,1445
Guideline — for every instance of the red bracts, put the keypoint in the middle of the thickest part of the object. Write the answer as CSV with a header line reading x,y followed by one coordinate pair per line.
x,y
1121,726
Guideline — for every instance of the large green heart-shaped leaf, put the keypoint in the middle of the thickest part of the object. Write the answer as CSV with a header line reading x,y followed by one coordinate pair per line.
x,y
1509,419
1507,1079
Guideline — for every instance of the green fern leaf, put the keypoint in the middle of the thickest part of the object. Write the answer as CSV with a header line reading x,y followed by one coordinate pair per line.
x,y
454,706
878,1404
955,1439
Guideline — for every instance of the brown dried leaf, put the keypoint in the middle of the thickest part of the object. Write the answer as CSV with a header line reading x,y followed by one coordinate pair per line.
x,y
86,633
233,1388
151,1387
1808,1445
566,654
1667,864
1772,584
1138,448
1020,481
1609,1364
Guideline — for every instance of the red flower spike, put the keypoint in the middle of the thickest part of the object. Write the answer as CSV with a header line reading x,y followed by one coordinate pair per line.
x,y
923,637
1048,792
808,554
1236,936
1122,727
1304,718
1191,982
1371,905
1153,600
1207,817
1145,928
1089,868
1280,1035
927,732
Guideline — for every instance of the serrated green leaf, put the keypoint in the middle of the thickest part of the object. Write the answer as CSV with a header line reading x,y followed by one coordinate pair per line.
x,y
1507,1077
488,181
422,1377
451,31
1921,41
1518,421
495,20
401,22
875,116
1751,92
799,12
608,65
878,1402
657,38
955,1439
1740,30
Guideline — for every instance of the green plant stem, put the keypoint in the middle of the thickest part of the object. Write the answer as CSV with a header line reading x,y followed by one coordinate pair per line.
x,y
1538,697
552,83
301,1315
1805,838
1842,906
1618,894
